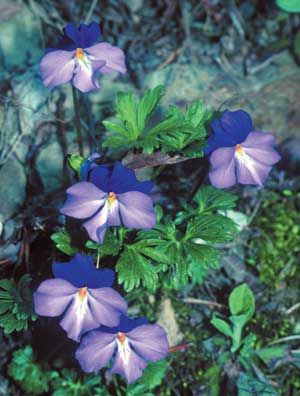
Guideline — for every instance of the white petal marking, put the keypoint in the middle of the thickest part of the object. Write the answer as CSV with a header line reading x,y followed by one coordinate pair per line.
x,y
124,350
248,162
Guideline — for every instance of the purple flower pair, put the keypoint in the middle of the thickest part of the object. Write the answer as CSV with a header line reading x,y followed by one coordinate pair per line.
x,y
238,153
79,59
83,296
110,196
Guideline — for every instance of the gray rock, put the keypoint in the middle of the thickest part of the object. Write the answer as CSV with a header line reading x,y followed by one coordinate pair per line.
x,y
12,192
22,113
49,164
21,38
270,92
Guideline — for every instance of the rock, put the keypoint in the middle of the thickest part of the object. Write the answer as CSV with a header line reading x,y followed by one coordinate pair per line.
x,y
290,152
10,251
49,164
25,109
12,192
21,38
32,97
167,319
270,92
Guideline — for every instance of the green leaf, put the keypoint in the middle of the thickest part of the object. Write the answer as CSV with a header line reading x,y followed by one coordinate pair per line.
x,y
178,131
198,114
250,386
212,378
110,246
148,104
211,199
132,117
221,325
28,374
270,356
134,269
238,322
203,255
178,274
62,241
202,258
71,383
242,301
16,304
75,161
212,228
152,377
289,5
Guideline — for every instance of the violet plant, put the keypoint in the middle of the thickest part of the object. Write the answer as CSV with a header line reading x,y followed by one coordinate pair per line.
x,y
116,225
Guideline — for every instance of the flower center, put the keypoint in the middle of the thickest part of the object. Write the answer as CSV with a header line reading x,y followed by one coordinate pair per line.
x,y
82,292
239,149
79,53
112,198
121,337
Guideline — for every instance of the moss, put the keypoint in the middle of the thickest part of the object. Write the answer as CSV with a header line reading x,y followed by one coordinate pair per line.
x,y
275,250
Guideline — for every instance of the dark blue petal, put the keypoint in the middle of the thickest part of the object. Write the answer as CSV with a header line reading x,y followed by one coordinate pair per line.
x,y
80,272
90,34
100,176
123,180
71,33
84,36
231,129
87,165
126,324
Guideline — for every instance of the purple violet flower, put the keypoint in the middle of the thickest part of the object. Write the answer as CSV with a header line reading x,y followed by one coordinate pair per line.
x,y
133,343
78,59
82,294
112,196
238,153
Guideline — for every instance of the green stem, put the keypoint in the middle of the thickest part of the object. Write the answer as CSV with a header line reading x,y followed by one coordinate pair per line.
x,y
77,120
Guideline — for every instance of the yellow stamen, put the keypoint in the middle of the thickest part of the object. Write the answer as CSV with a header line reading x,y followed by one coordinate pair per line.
x,y
121,336
111,197
79,53
239,149
82,292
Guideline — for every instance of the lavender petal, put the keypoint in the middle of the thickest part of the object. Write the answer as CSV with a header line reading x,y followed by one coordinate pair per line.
x,y
53,297
113,56
84,199
222,172
136,210
95,350
57,67
96,226
106,306
149,341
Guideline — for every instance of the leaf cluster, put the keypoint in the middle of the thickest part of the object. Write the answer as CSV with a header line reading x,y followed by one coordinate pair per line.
x,y
178,131
15,304
68,383
28,374
244,353
181,249
242,307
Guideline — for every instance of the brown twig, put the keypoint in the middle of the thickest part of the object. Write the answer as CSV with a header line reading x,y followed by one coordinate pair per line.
x,y
191,300
170,58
